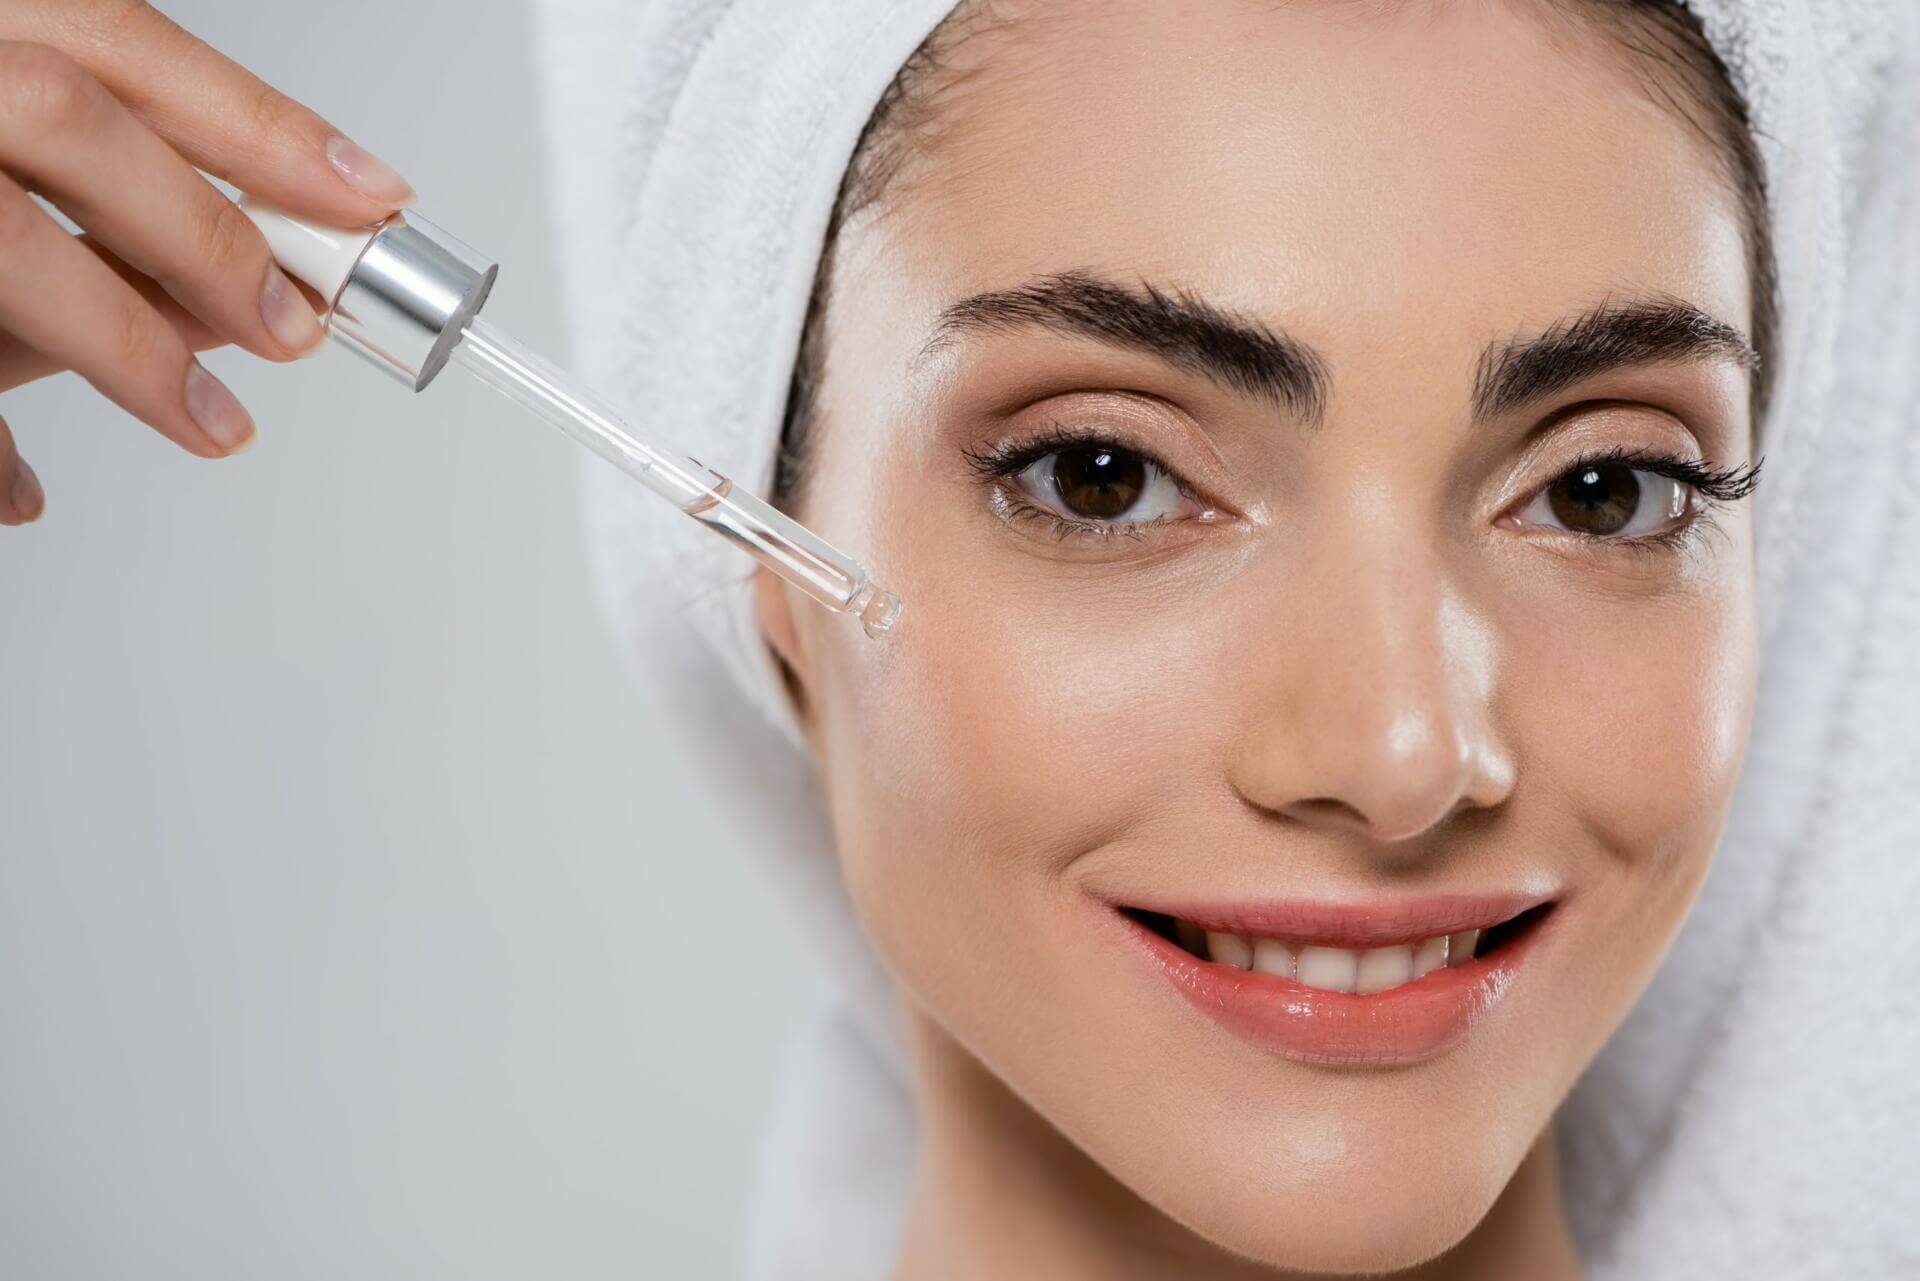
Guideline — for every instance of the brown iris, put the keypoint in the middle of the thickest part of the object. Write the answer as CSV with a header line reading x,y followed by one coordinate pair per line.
x,y
1597,499
1097,481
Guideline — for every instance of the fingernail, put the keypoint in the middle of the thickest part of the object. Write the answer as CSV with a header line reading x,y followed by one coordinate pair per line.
x,y
367,173
289,319
217,410
28,497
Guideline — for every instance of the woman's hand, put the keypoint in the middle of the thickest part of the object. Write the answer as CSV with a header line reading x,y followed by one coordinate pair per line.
x,y
106,110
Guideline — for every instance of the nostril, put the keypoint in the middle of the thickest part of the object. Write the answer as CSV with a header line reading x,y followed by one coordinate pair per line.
x,y
1319,810
1390,825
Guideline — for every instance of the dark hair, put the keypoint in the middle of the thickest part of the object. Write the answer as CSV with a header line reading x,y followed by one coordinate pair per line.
x,y
1665,47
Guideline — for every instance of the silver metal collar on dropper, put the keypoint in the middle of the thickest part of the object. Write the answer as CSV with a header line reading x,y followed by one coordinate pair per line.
x,y
403,291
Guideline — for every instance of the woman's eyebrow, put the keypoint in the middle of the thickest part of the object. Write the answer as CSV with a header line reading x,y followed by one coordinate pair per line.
x,y
1249,356
1187,332
1611,335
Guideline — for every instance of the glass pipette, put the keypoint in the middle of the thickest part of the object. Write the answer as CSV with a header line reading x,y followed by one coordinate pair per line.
x,y
406,295
777,541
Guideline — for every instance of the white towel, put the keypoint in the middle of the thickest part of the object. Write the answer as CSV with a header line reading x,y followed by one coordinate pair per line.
x,y
1759,1111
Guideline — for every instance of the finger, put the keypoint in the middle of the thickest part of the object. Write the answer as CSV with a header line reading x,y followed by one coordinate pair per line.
x,y
107,333
66,137
223,118
21,498
20,363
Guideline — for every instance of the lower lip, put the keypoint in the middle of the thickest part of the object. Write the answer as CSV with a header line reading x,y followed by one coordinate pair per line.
x,y
1406,1024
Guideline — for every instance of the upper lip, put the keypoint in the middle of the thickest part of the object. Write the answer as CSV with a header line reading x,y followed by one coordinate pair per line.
x,y
1355,923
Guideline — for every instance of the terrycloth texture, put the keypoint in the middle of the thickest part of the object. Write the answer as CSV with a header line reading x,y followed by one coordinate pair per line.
x,y
1757,1113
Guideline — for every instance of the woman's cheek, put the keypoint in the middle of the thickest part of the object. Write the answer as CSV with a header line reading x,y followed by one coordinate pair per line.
x,y
1635,726
1643,721
1005,733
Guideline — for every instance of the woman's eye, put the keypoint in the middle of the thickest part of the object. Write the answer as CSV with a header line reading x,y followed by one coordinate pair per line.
x,y
1610,500
1103,483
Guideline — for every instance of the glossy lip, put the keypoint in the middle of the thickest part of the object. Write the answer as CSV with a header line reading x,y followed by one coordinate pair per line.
x,y
1352,925
1406,1024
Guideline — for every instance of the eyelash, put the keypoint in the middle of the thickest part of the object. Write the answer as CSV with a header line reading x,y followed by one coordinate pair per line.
x,y
998,464
1712,487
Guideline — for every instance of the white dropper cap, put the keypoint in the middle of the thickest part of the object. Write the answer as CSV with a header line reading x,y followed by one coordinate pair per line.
x,y
319,257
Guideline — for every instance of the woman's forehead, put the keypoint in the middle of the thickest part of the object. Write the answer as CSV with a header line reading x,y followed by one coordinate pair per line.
x,y
1350,175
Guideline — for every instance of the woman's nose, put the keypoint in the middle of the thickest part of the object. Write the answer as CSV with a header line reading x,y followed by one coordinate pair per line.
x,y
1375,712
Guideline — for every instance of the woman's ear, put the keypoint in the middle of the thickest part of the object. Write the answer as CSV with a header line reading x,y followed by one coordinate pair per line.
x,y
774,610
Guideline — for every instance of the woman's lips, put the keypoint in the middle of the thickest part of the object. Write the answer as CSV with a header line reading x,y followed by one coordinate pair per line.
x,y
1420,1013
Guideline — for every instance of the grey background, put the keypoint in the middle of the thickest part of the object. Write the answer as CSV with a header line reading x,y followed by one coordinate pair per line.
x,y
353,920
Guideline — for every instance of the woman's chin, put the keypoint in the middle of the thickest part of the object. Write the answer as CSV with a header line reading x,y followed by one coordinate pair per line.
x,y
1371,1217
1321,1177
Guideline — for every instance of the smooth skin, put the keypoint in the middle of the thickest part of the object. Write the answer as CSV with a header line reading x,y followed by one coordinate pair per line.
x,y
109,111
1379,675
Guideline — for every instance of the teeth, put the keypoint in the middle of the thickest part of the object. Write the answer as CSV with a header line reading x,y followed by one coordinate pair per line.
x,y
1333,969
1460,946
1271,956
1384,967
1229,949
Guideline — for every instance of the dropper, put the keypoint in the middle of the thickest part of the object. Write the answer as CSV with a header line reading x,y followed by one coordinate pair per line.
x,y
407,295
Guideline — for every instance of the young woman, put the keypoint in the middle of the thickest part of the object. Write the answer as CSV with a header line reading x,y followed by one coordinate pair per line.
x,y
1317,447
1312,443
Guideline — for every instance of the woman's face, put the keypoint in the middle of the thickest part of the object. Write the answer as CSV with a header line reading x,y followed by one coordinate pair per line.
x,y
1259,411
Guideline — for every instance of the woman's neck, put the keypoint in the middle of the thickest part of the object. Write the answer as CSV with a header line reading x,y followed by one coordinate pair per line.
x,y
999,1192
